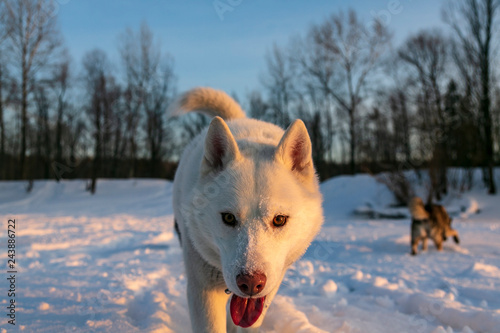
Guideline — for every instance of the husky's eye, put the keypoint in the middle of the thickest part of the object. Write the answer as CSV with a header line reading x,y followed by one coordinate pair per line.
x,y
228,219
279,220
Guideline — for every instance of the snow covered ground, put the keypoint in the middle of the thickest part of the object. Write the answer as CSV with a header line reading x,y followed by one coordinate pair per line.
x,y
111,263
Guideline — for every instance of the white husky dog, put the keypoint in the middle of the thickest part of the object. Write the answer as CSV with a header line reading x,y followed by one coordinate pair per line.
x,y
247,205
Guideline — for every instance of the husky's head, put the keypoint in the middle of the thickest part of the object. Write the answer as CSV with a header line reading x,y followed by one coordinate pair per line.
x,y
262,209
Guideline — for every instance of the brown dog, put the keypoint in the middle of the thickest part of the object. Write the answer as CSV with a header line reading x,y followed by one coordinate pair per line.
x,y
429,221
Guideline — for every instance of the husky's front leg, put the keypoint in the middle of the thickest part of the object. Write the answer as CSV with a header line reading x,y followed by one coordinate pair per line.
x,y
207,309
205,292
424,244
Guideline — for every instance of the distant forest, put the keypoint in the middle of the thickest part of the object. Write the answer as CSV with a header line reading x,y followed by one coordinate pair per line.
x,y
432,102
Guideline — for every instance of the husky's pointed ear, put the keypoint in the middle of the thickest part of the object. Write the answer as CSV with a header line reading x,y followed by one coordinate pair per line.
x,y
294,150
220,146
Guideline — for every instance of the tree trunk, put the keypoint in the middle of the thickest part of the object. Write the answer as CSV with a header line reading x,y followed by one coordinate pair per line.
x,y
97,144
485,104
133,153
406,127
116,152
352,162
488,134
2,130
152,161
34,171
59,126
24,121
95,166
488,130
48,150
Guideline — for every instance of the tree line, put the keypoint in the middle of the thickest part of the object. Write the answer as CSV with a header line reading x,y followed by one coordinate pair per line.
x,y
432,102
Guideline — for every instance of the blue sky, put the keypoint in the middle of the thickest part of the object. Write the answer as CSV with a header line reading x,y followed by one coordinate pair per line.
x,y
227,54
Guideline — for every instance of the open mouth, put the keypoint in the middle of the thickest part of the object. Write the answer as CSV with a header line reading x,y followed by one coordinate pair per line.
x,y
246,311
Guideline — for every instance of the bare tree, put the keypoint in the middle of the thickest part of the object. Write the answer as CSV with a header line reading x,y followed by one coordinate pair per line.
x,y
98,81
290,96
150,88
130,52
33,39
377,141
160,94
398,104
473,24
426,55
43,140
60,84
343,54
279,84
5,93
257,107
74,127
3,22
3,85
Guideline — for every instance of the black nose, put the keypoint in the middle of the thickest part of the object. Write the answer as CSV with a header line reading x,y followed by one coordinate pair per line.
x,y
251,284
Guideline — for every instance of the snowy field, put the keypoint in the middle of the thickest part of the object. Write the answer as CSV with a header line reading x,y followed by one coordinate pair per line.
x,y
111,263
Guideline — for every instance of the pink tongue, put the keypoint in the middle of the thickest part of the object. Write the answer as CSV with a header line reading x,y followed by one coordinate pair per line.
x,y
246,311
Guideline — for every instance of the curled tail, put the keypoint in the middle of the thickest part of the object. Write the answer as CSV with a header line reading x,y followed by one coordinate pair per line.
x,y
417,209
210,101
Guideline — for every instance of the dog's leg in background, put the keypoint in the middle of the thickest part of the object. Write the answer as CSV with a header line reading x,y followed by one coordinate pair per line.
x,y
438,240
415,236
206,296
424,244
414,245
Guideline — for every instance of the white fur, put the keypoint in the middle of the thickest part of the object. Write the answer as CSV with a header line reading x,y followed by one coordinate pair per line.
x,y
255,171
210,101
